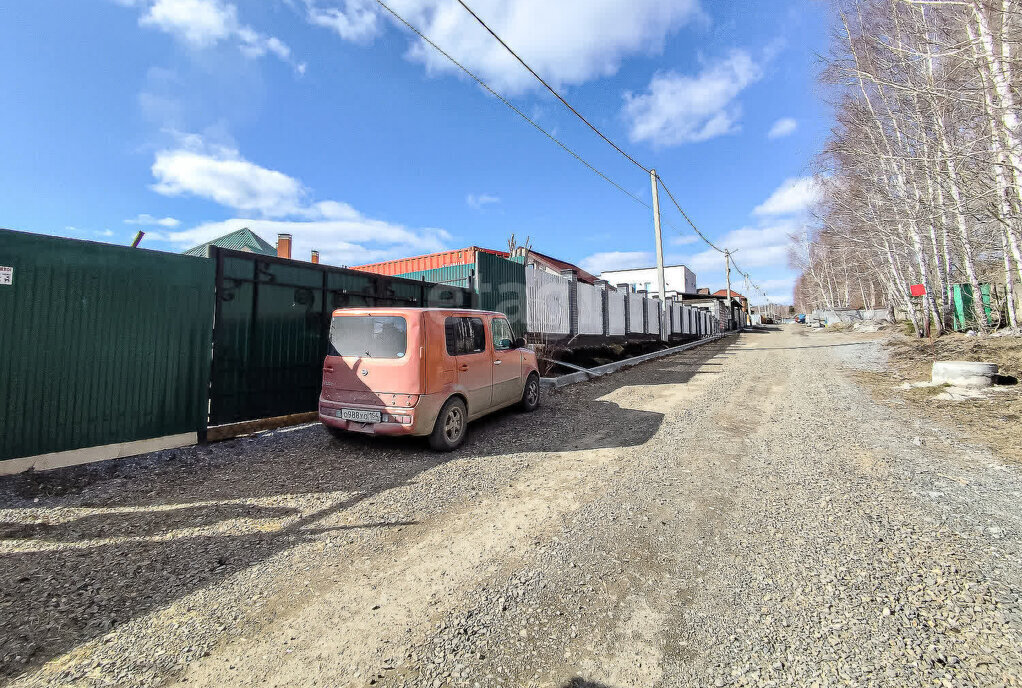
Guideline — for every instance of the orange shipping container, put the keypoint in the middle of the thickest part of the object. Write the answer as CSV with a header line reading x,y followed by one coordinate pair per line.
x,y
401,266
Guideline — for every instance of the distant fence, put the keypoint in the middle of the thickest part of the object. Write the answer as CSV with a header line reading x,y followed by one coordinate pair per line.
x,y
547,308
101,345
550,307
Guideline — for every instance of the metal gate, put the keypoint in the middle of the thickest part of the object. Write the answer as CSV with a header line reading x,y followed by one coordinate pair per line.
x,y
272,322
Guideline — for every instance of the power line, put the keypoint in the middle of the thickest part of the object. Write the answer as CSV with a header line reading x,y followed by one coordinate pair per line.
x,y
510,105
546,133
687,218
552,90
587,122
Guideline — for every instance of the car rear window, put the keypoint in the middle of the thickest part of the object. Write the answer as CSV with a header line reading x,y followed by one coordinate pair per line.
x,y
464,336
371,336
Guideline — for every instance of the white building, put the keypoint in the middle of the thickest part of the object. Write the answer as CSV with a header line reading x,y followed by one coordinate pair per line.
x,y
678,279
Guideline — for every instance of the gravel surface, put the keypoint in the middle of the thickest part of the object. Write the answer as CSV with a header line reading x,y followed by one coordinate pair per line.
x,y
739,514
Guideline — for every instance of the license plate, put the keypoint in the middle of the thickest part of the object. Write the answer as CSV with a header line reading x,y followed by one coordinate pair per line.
x,y
360,416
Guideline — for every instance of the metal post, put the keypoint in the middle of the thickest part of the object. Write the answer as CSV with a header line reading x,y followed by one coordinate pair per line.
x,y
727,276
659,238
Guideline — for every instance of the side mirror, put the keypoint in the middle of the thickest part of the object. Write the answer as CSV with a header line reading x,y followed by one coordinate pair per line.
x,y
519,343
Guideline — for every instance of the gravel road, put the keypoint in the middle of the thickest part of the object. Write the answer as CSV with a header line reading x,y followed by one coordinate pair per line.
x,y
740,514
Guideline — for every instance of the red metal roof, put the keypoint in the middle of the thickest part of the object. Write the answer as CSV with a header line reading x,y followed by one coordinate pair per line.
x,y
430,261
556,264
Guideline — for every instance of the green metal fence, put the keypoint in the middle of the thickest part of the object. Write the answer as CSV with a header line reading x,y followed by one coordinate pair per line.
x,y
500,284
964,308
272,322
100,344
453,275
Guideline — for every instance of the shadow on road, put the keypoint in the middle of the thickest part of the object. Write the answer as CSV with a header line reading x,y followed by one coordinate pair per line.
x,y
579,682
163,526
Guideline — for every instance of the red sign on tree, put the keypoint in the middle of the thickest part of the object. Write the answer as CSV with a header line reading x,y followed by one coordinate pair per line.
x,y
917,290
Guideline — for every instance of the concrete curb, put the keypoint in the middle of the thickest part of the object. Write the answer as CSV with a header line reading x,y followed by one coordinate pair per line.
x,y
599,371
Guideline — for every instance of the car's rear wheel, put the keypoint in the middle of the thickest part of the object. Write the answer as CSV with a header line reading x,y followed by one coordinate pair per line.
x,y
449,430
530,395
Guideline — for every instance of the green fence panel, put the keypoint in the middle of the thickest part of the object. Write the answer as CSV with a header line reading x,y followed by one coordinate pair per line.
x,y
500,284
272,324
963,308
100,344
453,275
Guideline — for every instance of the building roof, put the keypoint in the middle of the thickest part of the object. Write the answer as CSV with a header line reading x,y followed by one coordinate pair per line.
x,y
556,264
723,292
243,239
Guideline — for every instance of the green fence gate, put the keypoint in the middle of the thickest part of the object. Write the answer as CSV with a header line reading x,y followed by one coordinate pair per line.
x,y
272,325
100,344
501,287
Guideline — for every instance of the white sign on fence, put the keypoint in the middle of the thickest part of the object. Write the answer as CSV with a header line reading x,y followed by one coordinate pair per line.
x,y
6,276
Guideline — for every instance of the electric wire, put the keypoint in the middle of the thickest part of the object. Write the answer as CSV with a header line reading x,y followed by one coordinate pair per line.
x,y
553,138
510,105
552,90
588,123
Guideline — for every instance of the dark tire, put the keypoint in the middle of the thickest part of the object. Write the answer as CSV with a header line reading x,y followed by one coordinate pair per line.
x,y
530,395
451,423
335,433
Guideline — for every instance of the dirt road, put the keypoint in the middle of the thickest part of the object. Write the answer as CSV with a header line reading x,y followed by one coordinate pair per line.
x,y
740,514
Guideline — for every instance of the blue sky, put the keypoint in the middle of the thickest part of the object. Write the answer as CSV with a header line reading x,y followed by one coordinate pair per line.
x,y
325,119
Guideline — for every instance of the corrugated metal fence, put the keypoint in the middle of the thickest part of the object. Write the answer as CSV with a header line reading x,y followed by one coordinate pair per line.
x,y
501,286
548,311
454,275
590,309
100,344
272,323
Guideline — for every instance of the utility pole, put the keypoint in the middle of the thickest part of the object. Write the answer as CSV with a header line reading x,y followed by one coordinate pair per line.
x,y
748,303
659,239
727,276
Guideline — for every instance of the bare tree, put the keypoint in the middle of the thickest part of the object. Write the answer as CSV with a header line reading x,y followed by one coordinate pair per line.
x,y
923,170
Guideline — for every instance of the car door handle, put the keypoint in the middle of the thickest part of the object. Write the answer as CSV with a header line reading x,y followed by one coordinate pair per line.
x,y
463,367
497,362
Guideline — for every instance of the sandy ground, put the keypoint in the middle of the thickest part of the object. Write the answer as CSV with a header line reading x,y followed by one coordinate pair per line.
x,y
741,514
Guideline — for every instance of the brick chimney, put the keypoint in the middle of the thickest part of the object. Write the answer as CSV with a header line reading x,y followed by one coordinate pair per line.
x,y
283,245
315,256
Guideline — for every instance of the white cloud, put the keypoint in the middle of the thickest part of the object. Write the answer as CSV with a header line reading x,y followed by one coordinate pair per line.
x,y
482,200
765,246
201,24
567,42
782,127
147,220
793,196
683,240
351,241
223,176
616,260
680,109
356,22
341,234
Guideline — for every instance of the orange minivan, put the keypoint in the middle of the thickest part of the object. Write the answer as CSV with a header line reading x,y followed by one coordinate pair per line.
x,y
422,371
